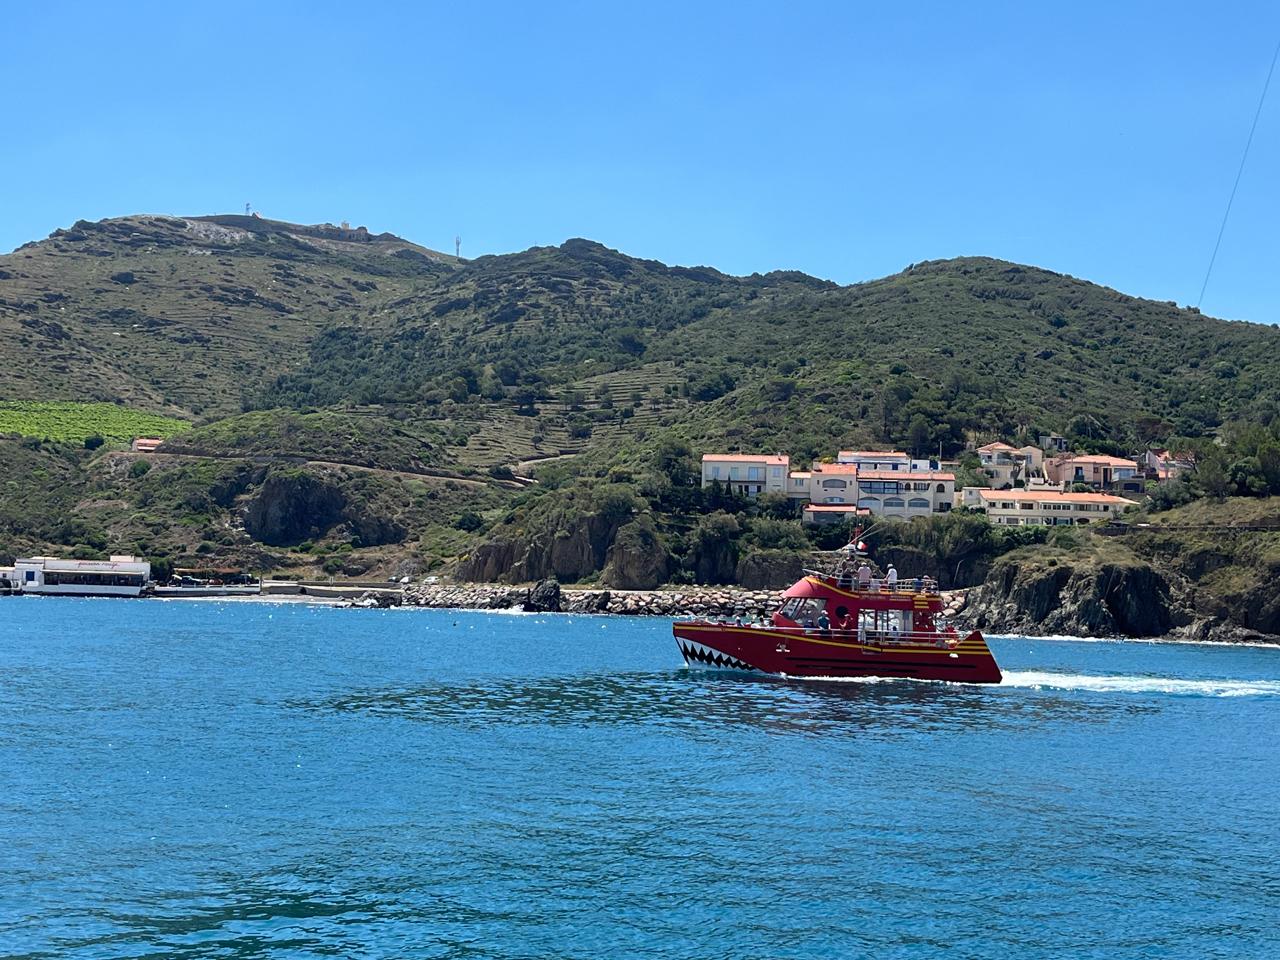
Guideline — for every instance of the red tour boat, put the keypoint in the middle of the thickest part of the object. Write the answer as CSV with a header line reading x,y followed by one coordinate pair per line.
x,y
881,632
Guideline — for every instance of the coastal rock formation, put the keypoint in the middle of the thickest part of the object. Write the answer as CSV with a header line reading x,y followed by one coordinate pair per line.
x,y
1037,595
566,554
291,506
637,558
544,597
769,568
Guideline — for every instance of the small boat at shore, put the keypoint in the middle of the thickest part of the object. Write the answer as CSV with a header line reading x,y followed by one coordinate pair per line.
x,y
830,627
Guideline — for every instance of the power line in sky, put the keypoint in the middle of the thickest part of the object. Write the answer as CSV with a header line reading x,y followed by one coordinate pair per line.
x,y
1245,156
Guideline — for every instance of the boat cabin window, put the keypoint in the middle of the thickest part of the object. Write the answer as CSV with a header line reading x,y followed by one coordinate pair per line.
x,y
803,611
885,622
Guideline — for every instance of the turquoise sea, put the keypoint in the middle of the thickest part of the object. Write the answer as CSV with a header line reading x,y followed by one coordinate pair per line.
x,y
251,780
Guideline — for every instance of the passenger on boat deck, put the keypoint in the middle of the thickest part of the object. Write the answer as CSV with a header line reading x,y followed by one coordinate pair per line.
x,y
844,574
917,583
874,586
892,577
824,622
844,620
864,576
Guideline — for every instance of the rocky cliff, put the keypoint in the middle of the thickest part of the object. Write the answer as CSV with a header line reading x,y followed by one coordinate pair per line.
x,y
1113,591
1043,593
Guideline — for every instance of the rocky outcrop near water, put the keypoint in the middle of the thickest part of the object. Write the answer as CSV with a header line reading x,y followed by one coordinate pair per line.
x,y
1040,594
1036,596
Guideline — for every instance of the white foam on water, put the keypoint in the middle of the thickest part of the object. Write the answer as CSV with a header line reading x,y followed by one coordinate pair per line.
x,y
1039,680
1067,638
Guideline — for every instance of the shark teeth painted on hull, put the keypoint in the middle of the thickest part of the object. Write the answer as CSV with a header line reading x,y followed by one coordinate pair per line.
x,y
697,655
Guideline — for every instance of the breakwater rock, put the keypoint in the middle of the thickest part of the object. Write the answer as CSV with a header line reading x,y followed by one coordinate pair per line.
x,y
548,596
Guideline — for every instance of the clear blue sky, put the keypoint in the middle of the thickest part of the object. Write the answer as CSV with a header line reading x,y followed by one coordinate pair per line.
x,y
846,140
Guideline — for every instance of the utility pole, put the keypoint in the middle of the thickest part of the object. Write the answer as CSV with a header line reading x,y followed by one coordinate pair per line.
x,y
457,246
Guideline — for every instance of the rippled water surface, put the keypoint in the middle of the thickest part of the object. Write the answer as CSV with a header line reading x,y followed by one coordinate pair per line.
x,y
187,779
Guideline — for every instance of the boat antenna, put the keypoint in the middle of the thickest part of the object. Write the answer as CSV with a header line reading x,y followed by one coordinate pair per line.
x,y
1245,156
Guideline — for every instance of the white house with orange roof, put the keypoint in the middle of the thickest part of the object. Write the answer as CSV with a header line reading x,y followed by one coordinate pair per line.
x,y
1017,508
750,474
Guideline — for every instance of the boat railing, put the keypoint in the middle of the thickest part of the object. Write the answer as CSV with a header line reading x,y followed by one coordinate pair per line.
x,y
943,636
903,588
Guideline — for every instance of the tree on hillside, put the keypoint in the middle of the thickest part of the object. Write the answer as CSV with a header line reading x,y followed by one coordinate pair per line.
x,y
673,459
714,548
1211,477
918,438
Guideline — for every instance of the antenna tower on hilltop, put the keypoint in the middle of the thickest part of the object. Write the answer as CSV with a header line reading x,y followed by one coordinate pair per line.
x,y
457,246
246,209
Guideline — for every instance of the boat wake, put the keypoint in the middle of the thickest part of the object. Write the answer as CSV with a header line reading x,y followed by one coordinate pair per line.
x,y
1044,680
1039,680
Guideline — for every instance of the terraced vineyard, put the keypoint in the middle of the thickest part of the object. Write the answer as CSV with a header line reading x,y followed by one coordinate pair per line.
x,y
76,422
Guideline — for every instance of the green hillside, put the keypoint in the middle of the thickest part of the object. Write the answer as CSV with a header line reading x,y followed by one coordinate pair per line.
x,y
427,409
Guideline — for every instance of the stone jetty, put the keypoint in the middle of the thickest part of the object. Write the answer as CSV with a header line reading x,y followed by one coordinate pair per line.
x,y
549,596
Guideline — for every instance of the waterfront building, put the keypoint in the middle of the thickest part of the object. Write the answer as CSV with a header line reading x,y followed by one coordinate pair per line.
x,y
121,576
1045,507
749,474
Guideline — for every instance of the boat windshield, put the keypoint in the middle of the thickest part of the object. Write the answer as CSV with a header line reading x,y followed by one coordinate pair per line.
x,y
803,610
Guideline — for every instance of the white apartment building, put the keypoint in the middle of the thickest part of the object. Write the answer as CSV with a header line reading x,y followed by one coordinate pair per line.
x,y
900,494
916,493
1045,507
749,474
